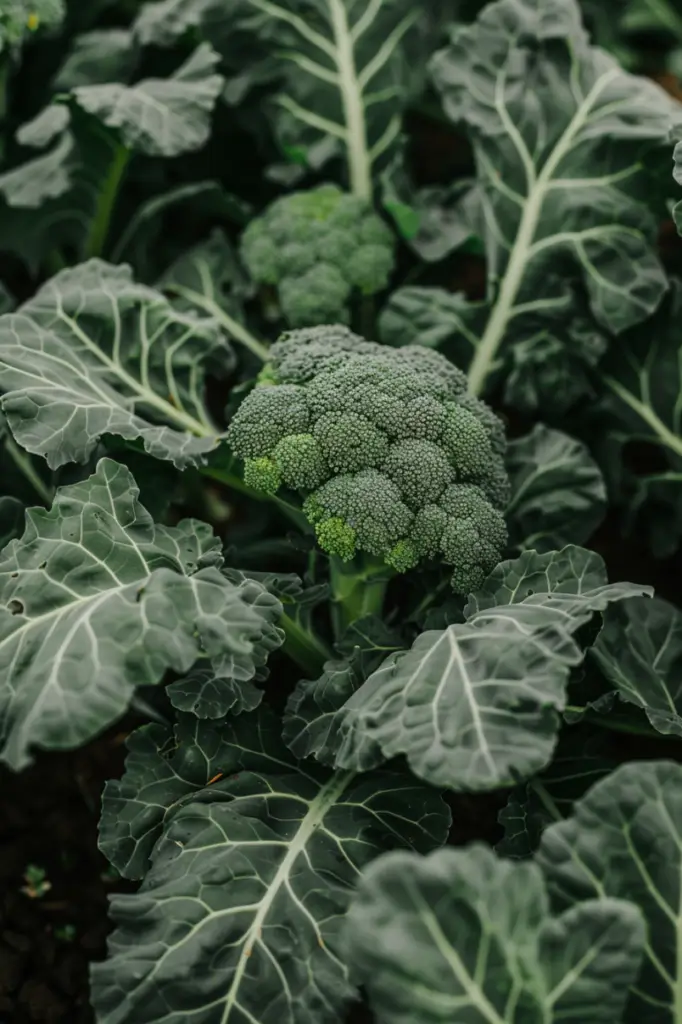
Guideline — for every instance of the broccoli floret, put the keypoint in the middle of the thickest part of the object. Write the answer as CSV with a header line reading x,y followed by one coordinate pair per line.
x,y
262,474
300,462
421,469
392,458
369,503
270,414
316,248
350,442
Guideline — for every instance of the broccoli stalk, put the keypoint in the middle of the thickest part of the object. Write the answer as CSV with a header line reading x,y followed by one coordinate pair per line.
x,y
358,589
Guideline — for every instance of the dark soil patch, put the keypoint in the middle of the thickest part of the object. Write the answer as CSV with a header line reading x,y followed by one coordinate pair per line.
x,y
48,818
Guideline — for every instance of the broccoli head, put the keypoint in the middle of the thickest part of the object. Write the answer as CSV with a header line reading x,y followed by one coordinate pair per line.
x,y
391,455
318,248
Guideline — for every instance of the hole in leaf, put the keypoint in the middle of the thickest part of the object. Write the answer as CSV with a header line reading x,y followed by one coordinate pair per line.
x,y
14,575
16,607
43,565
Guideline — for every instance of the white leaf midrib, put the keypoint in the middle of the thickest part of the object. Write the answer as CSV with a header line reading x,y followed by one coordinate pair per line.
x,y
538,187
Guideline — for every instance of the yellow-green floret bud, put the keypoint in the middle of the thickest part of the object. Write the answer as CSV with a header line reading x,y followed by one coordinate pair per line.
x,y
262,475
403,556
337,538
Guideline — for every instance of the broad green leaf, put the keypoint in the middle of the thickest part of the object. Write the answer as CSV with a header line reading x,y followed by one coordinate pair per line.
x,y
558,492
463,936
62,198
139,241
429,218
95,601
560,133
239,916
314,711
51,200
642,380
94,353
163,773
343,69
208,693
475,706
104,55
165,22
625,841
566,586
159,116
37,181
639,650
581,759
210,279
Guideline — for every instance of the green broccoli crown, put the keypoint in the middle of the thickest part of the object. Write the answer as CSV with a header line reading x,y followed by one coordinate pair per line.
x,y
390,453
317,247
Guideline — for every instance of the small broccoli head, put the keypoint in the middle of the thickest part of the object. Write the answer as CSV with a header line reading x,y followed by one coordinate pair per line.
x,y
318,247
390,455
366,501
319,296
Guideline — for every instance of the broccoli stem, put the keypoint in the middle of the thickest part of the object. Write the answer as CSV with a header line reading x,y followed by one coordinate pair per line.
x,y
106,201
234,482
304,647
358,589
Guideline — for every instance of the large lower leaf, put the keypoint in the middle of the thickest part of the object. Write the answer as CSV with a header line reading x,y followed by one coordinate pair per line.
x,y
95,600
463,936
94,353
239,916
559,133
558,493
474,706
639,650
625,841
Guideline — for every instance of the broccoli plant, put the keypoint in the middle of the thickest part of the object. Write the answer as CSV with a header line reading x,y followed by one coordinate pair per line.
x,y
319,248
328,526
395,462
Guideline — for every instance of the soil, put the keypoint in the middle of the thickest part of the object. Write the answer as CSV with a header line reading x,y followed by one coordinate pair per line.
x,y
48,819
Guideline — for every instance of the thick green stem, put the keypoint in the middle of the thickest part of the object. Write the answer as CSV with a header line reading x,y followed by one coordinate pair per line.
x,y
613,723
358,589
4,102
22,461
106,201
304,647
235,483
